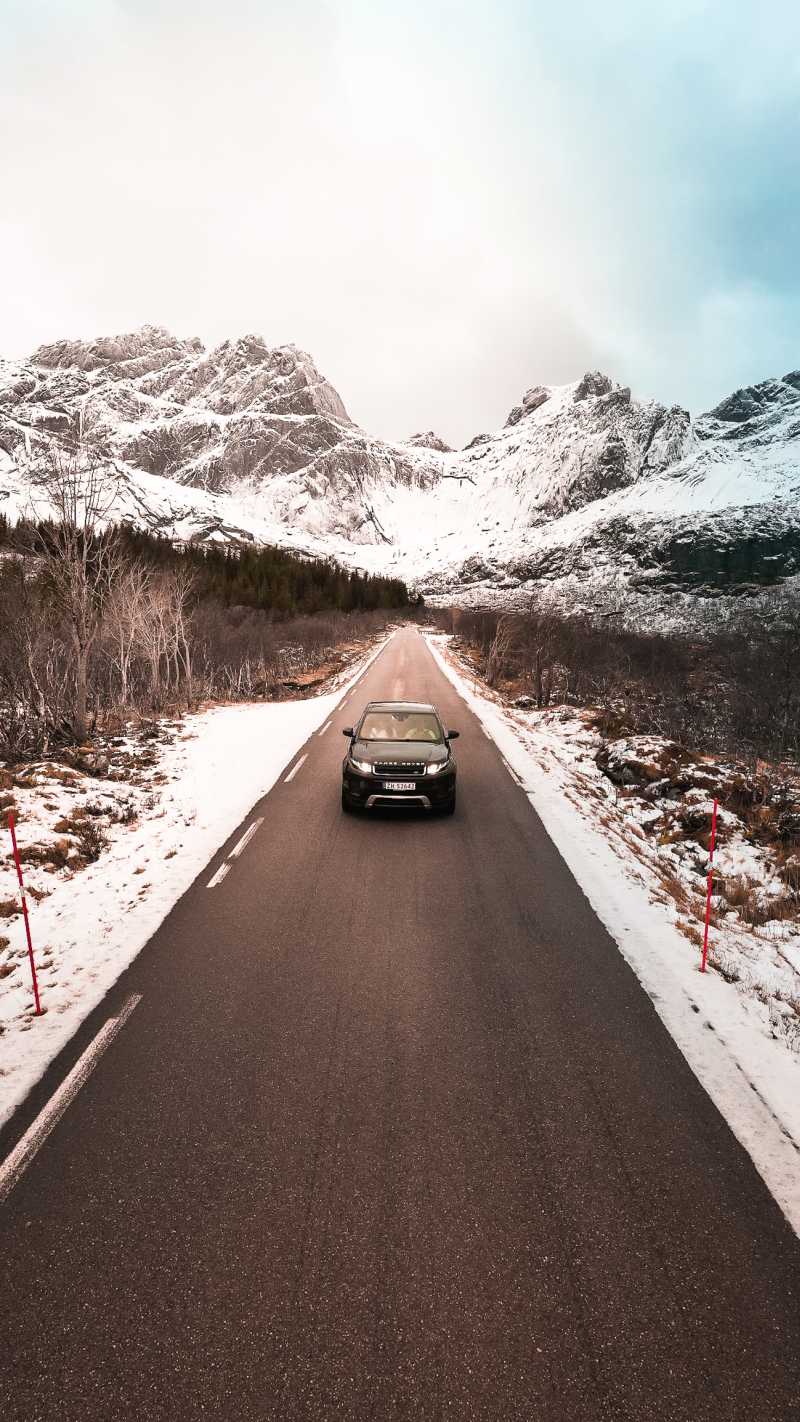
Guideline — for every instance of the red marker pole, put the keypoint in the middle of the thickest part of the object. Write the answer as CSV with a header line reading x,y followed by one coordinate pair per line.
x,y
25,913
710,885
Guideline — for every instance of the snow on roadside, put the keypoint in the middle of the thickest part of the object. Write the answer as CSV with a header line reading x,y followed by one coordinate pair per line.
x,y
89,923
751,1075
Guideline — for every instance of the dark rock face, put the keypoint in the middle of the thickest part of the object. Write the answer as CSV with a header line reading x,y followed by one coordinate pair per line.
x,y
726,554
593,383
754,400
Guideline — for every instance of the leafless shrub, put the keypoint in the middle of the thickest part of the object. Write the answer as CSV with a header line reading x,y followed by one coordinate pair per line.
x,y
91,841
53,856
739,694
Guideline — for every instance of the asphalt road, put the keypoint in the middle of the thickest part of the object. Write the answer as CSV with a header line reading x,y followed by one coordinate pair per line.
x,y
394,1132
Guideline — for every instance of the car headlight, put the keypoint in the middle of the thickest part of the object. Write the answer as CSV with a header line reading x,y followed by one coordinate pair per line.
x,y
362,765
439,765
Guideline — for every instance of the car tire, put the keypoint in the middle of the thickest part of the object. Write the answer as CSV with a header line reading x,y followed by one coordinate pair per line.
x,y
450,807
347,804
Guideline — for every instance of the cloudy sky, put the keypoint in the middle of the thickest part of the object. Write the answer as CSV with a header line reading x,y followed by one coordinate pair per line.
x,y
444,202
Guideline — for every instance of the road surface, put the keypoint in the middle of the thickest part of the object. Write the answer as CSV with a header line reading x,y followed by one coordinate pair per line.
x,y
393,1133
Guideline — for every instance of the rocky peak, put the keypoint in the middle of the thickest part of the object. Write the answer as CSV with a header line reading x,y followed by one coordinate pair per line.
x,y
428,439
139,346
753,400
245,374
593,383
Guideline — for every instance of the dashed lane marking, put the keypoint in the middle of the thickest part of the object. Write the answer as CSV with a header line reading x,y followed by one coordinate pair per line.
x,y
325,727
246,838
219,876
295,768
15,1164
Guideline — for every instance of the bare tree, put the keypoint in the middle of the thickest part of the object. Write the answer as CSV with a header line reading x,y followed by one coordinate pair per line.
x,y
125,613
497,652
81,559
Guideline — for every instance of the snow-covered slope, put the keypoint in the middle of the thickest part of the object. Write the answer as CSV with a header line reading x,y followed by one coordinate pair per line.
x,y
235,441
586,495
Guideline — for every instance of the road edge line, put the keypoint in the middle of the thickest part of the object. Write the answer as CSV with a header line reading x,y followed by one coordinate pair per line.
x,y
26,1149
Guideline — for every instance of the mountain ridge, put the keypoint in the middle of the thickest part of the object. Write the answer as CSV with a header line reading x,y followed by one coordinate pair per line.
x,y
584,493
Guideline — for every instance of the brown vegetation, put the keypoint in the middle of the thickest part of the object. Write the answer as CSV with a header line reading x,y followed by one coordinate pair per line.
x,y
738,695
99,623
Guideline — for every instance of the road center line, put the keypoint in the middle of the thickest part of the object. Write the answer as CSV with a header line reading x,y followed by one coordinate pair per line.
x,y
246,838
295,768
219,876
324,728
15,1165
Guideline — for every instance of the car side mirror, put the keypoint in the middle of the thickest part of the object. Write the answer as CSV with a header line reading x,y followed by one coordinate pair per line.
x,y
348,731
453,735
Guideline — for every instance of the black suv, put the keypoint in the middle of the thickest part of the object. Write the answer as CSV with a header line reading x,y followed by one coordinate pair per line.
x,y
399,754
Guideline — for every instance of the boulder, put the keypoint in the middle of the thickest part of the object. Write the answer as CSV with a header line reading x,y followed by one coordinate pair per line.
x,y
639,760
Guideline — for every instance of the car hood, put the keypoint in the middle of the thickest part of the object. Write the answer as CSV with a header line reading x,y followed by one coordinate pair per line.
x,y
399,752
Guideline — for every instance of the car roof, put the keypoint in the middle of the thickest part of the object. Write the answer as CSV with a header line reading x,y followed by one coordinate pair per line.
x,y
400,706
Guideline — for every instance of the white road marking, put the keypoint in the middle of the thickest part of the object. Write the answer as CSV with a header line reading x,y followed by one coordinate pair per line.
x,y
295,768
246,838
219,876
15,1165
324,728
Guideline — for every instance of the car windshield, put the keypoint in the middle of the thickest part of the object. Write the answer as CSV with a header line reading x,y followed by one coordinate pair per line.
x,y
401,726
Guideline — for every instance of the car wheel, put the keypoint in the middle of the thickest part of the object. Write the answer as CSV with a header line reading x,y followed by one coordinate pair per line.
x,y
347,804
450,807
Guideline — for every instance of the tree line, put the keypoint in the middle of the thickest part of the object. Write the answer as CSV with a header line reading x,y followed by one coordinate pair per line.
x,y
99,619
736,694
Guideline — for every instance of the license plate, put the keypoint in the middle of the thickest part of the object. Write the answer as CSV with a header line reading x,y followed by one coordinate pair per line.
x,y
399,785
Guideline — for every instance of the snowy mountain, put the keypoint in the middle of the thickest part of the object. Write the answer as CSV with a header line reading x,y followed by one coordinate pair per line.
x,y
587,496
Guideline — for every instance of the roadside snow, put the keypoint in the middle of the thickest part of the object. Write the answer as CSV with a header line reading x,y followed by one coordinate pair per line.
x,y
88,924
751,1075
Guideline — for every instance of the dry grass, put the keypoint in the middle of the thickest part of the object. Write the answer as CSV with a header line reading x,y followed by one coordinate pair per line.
x,y
50,856
787,861
723,964
691,931
753,906
676,889
90,841
9,908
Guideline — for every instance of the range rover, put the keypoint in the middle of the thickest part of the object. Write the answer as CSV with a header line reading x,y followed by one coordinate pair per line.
x,y
399,754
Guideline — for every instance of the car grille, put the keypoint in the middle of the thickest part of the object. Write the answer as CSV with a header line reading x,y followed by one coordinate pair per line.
x,y
399,769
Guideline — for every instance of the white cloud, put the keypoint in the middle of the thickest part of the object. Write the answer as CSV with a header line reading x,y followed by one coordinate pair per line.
x,y
443,203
